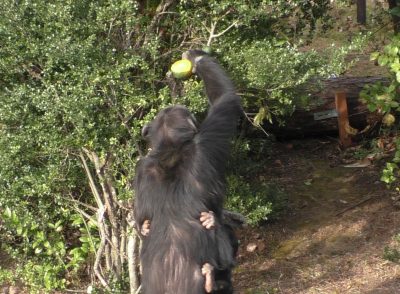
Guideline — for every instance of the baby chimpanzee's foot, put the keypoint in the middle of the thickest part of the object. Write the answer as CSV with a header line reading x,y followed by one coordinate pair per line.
x,y
207,272
145,228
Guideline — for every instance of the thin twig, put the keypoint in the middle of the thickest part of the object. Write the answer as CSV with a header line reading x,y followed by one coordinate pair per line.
x,y
227,29
99,254
81,203
138,290
109,200
257,126
211,30
132,261
86,225
362,201
75,291
92,184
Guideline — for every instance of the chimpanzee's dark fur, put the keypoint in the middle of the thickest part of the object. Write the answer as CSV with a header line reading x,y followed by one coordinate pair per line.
x,y
182,176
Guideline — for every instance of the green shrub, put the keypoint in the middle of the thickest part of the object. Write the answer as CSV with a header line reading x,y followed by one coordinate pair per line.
x,y
257,202
6,276
385,100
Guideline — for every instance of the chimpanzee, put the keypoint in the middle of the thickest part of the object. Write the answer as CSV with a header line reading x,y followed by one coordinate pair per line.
x,y
180,188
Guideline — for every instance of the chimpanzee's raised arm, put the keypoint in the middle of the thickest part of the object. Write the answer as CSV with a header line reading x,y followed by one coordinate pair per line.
x,y
214,138
216,82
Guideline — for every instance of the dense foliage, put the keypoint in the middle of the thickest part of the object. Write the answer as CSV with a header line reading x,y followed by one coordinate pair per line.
x,y
384,99
78,80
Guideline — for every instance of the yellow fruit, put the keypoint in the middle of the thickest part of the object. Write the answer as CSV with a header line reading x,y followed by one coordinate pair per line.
x,y
181,68
388,119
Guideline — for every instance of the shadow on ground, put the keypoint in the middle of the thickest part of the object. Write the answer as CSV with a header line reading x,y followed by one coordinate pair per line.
x,y
332,238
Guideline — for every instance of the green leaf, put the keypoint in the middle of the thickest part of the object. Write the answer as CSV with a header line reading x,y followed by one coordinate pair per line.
x,y
84,239
8,212
372,107
374,56
260,116
383,60
19,230
395,11
308,182
394,104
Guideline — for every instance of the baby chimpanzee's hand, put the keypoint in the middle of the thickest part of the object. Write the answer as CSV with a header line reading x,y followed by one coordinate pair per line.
x,y
207,220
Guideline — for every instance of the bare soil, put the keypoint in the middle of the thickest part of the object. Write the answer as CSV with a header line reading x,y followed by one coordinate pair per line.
x,y
332,237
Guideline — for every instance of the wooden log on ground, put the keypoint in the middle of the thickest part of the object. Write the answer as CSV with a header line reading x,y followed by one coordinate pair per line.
x,y
319,118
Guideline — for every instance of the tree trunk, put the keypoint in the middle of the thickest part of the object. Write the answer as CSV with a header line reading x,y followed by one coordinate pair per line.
x,y
311,122
362,11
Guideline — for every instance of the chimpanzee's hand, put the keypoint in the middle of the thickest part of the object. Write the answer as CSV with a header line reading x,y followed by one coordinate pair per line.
x,y
194,56
207,220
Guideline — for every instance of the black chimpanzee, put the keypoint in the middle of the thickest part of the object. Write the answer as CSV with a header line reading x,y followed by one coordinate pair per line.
x,y
181,181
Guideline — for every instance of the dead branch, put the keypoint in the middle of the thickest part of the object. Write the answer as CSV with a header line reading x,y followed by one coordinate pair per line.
x,y
211,30
132,248
257,126
99,253
109,196
123,242
79,203
92,184
362,201
160,12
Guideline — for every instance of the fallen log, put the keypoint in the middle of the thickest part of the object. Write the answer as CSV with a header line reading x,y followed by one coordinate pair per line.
x,y
320,117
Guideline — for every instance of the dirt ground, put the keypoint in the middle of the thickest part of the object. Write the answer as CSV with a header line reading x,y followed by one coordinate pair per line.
x,y
332,237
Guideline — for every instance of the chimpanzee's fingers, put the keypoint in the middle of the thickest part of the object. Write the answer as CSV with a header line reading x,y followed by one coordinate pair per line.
x,y
192,54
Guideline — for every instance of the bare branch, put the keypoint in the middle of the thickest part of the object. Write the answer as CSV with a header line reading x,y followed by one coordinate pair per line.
x,y
212,30
92,184
109,195
138,290
83,214
227,29
77,202
132,252
99,253
160,12
257,126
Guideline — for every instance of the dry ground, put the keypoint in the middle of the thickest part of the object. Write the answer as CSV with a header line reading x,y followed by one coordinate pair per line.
x,y
317,246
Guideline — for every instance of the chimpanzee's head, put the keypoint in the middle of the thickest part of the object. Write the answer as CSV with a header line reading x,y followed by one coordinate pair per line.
x,y
172,128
